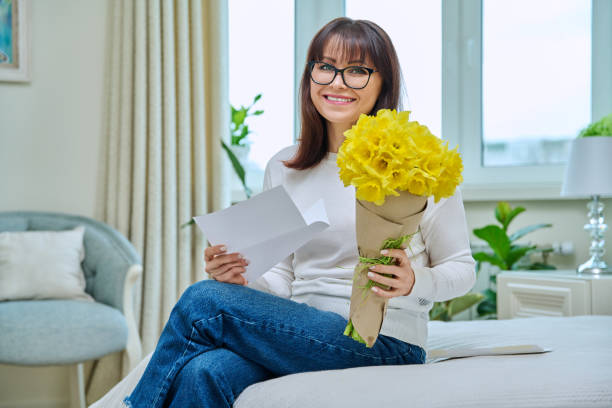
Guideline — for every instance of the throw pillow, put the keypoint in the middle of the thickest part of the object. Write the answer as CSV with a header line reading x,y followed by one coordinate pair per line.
x,y
42,265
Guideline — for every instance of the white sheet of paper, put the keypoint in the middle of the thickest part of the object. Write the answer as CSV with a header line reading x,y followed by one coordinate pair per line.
x,y
265,229
435,355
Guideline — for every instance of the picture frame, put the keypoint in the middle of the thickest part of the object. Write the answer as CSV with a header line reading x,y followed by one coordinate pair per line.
x,y
14,41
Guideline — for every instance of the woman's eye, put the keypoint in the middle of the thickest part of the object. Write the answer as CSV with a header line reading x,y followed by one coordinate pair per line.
x,y
357,71
326,67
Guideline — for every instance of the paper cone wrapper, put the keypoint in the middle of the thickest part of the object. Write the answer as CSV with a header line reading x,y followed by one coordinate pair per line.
x,y
397,217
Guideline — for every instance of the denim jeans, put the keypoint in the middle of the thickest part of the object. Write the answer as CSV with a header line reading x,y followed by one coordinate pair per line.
x,y
221,338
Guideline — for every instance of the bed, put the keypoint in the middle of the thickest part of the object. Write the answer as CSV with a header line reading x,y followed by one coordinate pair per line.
x,y
575,372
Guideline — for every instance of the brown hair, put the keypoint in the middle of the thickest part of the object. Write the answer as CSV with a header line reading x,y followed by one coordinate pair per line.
x,y
355,39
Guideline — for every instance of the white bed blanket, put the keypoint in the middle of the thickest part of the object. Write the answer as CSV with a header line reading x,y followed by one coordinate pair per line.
x,y
576,373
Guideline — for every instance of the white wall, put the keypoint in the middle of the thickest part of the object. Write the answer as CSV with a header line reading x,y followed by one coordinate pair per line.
x,y
51,127
50,134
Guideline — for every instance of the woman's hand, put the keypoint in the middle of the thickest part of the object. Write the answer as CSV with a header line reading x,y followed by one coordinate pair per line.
x,y
224,267
402,281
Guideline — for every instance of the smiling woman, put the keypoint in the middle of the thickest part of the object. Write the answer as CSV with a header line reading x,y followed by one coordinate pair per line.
x,y
330,105
225,334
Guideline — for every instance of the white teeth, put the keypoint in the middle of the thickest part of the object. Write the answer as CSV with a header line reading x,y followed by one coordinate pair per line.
x,y
331,98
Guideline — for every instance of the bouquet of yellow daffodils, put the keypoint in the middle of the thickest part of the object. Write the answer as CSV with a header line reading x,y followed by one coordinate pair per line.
x,y
394,164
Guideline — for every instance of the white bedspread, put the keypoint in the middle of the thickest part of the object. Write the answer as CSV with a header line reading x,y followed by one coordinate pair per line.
x,y
576,373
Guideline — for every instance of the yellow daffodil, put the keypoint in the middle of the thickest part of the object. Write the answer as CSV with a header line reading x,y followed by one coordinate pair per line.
x,y
387,153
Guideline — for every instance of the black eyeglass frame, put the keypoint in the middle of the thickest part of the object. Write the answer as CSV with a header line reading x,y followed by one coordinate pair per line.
x,y
341,71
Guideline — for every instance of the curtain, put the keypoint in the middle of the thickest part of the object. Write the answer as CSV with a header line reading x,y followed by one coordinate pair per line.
x,y
161,162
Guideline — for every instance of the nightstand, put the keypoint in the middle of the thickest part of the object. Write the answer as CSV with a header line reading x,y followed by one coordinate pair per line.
x,y
552,293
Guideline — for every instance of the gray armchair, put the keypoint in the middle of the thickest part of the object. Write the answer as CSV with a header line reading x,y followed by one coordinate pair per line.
x,y
57,332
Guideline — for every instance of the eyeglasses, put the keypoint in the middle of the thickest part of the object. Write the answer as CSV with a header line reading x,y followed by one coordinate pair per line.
x,y
355,77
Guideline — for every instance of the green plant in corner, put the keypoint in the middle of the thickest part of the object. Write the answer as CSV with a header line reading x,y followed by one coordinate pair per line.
x,y
602,127
504,252
239,131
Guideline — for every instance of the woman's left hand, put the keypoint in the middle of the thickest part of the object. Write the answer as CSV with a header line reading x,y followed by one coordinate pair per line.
x,y
402,280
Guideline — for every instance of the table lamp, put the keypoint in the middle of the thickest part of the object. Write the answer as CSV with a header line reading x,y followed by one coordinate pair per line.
x,y
589,174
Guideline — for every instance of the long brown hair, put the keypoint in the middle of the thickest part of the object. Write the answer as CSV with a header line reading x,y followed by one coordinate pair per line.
x,y
357,40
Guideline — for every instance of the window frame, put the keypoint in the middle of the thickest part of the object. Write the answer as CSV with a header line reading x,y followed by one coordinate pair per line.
x,y
462,89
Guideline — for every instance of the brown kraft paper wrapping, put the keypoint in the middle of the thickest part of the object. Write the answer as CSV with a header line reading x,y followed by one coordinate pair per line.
x,y
397,217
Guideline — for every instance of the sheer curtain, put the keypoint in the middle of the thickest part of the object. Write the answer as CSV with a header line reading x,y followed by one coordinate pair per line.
x,y
161,162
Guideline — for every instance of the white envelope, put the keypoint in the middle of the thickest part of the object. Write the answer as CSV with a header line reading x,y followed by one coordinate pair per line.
x,y
265,229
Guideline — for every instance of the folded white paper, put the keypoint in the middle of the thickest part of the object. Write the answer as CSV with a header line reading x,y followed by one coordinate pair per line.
x,y
435,355
265,229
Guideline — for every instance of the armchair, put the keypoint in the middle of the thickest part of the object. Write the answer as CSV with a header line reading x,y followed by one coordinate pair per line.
x,y
60,331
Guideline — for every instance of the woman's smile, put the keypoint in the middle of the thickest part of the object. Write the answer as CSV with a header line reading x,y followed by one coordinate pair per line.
x,y
338,99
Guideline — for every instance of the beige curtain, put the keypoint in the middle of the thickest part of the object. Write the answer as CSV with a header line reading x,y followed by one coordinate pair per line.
x,y
166,112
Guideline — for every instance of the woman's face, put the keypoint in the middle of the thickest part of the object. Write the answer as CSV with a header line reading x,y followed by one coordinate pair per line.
x,y
353,102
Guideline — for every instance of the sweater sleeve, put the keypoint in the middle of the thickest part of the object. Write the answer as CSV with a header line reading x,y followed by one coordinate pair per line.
x,y
277,280
452,269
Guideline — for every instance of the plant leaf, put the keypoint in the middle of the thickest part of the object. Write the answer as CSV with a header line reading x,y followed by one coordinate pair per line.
x,y
237,168
526,230
501,212
437,311
516,253
459,304
486,307
513,214
238,116
257,97
496,238
490,294
258,112
492,259
539,266
188,223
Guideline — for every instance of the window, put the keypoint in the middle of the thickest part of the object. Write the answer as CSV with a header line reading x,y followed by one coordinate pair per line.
x,y
513,133
416,32
261,55
536,80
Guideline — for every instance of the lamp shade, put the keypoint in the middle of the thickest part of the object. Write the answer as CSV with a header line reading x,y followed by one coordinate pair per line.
x,y
589,169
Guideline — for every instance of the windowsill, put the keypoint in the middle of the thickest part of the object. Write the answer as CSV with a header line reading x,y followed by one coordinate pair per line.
x,y
511,191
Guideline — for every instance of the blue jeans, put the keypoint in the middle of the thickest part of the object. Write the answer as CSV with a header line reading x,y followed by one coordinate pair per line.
x,y
221,338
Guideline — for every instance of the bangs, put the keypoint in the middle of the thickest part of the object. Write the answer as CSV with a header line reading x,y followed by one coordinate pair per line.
x,y
349,42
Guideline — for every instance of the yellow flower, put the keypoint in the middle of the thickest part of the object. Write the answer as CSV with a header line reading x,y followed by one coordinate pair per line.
x,y
387,153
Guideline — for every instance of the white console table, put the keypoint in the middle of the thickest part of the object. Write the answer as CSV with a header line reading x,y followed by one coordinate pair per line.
x,y
552,293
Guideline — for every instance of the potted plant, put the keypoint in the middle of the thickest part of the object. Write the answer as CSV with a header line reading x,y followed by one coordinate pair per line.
x,y
505,253
239,147
602,127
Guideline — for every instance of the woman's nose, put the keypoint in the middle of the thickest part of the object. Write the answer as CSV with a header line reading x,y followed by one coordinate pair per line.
x,y
338,82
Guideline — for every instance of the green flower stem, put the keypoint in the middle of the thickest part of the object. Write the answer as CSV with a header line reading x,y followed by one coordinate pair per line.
x,y
350,330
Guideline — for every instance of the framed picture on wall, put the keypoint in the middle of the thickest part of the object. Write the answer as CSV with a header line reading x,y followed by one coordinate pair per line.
x,y
14,41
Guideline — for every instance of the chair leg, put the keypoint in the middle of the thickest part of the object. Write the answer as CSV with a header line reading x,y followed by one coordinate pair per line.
x,y
81,384
77,386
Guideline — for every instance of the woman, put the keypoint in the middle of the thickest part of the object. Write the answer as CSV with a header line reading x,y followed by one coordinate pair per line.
x,y
224,335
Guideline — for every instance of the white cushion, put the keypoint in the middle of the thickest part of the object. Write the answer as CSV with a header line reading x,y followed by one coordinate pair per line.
x,y
42,265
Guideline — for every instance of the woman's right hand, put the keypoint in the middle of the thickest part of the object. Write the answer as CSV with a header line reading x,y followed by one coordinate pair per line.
x,y
225,267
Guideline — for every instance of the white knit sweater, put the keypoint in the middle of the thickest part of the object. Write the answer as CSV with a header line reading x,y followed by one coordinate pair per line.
x,y
320,273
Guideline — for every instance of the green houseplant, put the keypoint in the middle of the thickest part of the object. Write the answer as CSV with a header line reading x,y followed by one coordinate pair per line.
x,y
602,127
239,131
505,253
